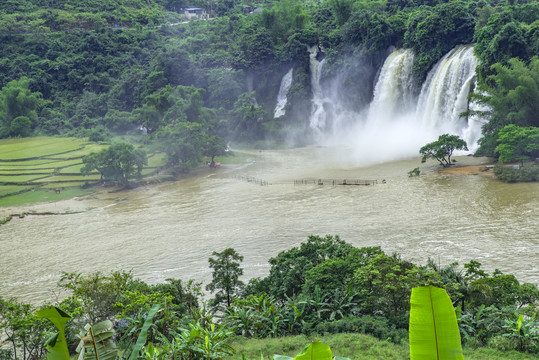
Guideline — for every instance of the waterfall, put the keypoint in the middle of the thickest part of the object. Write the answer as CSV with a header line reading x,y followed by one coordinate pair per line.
x,y
397,122
318,114
393,91
286,83
444,95
388,131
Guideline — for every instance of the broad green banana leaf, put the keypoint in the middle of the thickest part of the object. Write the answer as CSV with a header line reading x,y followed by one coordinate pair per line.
x,y
314,351
434,333
96,342
141,340
519,323
56,344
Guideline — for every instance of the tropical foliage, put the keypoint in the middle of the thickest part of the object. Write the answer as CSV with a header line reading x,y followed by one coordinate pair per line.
x,y
95,68
117,163
342,289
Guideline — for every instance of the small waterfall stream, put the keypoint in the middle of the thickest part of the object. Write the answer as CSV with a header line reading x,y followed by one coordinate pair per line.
x,y
286,83
318,118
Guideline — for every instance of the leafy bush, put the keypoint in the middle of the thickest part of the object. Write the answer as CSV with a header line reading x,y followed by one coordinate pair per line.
x,y
97,134
523,332
523,174
376,326
476,328
501,343
414,172
289,268
6,354
23,333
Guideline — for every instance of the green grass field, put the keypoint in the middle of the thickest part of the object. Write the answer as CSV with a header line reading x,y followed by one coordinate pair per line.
x,y
31,168
43,195
38,147
157,159
20,178
28,164
8,172
353,346
10,189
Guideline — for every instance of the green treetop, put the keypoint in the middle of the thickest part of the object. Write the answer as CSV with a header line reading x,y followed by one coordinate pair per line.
x,y
118,162
226,273
442,149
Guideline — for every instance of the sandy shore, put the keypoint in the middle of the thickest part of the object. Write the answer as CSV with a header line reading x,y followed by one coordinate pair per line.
x,y
483,170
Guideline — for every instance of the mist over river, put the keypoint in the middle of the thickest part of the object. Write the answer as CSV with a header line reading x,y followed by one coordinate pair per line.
x,y
169,230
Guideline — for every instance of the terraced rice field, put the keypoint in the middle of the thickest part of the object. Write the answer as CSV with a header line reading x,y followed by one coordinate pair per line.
x,y
32,169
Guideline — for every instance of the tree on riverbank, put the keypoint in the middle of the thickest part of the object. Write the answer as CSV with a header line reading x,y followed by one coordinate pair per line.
x,y
118,162
226,273
442,149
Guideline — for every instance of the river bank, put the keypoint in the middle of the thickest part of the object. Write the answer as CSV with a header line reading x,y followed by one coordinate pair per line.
x,y
100,194
482,170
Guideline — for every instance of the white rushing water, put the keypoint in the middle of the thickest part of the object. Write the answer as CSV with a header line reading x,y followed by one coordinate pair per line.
x,y
286,83
398,122
444,95
393,92
389,130
318,118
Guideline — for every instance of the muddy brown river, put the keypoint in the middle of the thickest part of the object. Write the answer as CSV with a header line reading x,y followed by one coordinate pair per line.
x,y
169,230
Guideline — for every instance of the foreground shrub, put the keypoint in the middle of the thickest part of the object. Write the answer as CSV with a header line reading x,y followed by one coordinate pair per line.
x,y
501,343
523,174
376,326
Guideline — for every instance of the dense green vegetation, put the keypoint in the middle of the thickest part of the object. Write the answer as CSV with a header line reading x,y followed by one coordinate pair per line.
x,y
353,345
98,67
324,286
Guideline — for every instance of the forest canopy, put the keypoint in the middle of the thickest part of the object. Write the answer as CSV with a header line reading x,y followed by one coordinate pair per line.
x,y
123,66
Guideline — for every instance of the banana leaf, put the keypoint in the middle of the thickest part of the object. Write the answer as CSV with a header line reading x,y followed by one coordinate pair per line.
x,y
96,342
141,340
434,333
313,351
56,344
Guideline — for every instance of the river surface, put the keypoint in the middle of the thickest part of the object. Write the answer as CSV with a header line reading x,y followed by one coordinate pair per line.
x,y
170,230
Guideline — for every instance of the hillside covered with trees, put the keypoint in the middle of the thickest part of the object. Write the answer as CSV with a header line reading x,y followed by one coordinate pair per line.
x,y
98,68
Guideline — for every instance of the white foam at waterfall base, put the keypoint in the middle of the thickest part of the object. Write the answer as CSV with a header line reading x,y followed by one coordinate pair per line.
x,y
389,130
394,127
379,140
